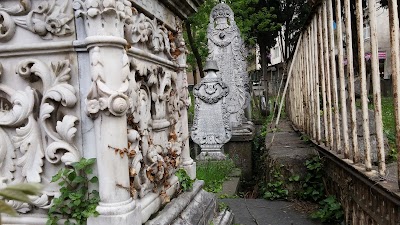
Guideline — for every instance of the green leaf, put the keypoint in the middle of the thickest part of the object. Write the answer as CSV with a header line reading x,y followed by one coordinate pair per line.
x,y
94,180
27,188
78,179
14,195
5,208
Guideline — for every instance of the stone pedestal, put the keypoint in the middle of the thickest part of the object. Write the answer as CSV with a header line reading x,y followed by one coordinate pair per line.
x,y
239,149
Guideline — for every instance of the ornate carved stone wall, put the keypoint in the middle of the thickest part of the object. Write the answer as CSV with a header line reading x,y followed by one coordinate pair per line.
x,y
102,79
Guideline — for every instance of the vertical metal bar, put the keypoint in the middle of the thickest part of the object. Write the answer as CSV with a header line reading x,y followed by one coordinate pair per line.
x,y
343,105
337,145
363,77
313,83
309,87
327,75
316,77
322,72
350,71
376,89
395,53
304,89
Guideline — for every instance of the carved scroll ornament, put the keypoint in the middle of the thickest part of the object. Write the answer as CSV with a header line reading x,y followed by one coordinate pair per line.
x,y
31,113
101,97
48,19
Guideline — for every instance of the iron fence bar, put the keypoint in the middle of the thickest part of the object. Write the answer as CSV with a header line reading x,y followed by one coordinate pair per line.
x,y
322,72
363,88
327,75
337,143
376,88
308,80
316,77
350,72
343,105
395,53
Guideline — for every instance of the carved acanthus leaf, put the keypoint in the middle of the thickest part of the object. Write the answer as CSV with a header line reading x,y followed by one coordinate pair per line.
x,y
7,154
22,101
48,19
56,89
28,140
146,30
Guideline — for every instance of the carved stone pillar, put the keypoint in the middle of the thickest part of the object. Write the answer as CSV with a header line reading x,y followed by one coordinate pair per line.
x,y
107,104
187,162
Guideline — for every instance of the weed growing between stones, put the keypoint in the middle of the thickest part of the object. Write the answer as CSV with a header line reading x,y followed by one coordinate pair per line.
x,y
75,203
186,184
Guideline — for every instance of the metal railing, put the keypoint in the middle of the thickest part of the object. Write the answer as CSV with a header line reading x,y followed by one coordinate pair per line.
x,y
320,88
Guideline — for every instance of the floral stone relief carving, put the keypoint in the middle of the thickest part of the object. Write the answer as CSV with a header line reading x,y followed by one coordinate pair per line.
x,y
48,19
152,94
34,127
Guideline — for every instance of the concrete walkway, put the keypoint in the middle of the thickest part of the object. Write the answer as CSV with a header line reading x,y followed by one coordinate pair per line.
x,y
286,148
263,212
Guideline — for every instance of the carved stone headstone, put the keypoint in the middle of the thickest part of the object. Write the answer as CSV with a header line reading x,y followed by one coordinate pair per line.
x,y
211,128
227,48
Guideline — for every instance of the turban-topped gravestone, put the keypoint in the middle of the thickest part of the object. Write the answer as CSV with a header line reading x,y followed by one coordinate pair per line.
x,y
227,48
211,128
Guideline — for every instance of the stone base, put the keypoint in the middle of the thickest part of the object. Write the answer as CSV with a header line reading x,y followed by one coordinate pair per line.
x,y
190,170
193,207
125,213
239,148
211,155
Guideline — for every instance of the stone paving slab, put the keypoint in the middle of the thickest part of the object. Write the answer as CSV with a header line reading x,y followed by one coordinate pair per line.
x,y
263,212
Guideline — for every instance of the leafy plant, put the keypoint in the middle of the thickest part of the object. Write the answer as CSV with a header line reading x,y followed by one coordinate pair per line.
x,y
330,211
75,203
17,192
276,189
312,183
184,180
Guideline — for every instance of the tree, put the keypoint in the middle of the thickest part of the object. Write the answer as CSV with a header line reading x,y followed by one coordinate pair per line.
x,y
293,16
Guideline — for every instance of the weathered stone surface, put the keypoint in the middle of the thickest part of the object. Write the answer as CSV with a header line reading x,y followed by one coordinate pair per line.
x,y
191,204
211,128
226,47
286,155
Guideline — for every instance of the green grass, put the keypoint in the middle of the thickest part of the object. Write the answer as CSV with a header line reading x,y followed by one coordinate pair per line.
x,y
214,173
191,108
389,125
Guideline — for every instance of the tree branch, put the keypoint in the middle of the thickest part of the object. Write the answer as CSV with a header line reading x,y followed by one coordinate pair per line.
x,y
194,48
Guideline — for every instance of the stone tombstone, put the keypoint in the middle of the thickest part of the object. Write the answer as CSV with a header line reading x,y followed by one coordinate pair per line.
x,y
103,79
227,48
211,127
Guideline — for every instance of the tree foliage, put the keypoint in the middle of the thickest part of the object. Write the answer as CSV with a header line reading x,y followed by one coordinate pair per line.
x,y
293,16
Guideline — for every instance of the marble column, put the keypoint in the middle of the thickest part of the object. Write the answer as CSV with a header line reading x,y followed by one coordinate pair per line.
x,y
107,104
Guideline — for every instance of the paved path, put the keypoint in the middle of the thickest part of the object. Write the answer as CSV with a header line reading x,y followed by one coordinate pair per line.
x,y
263,212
